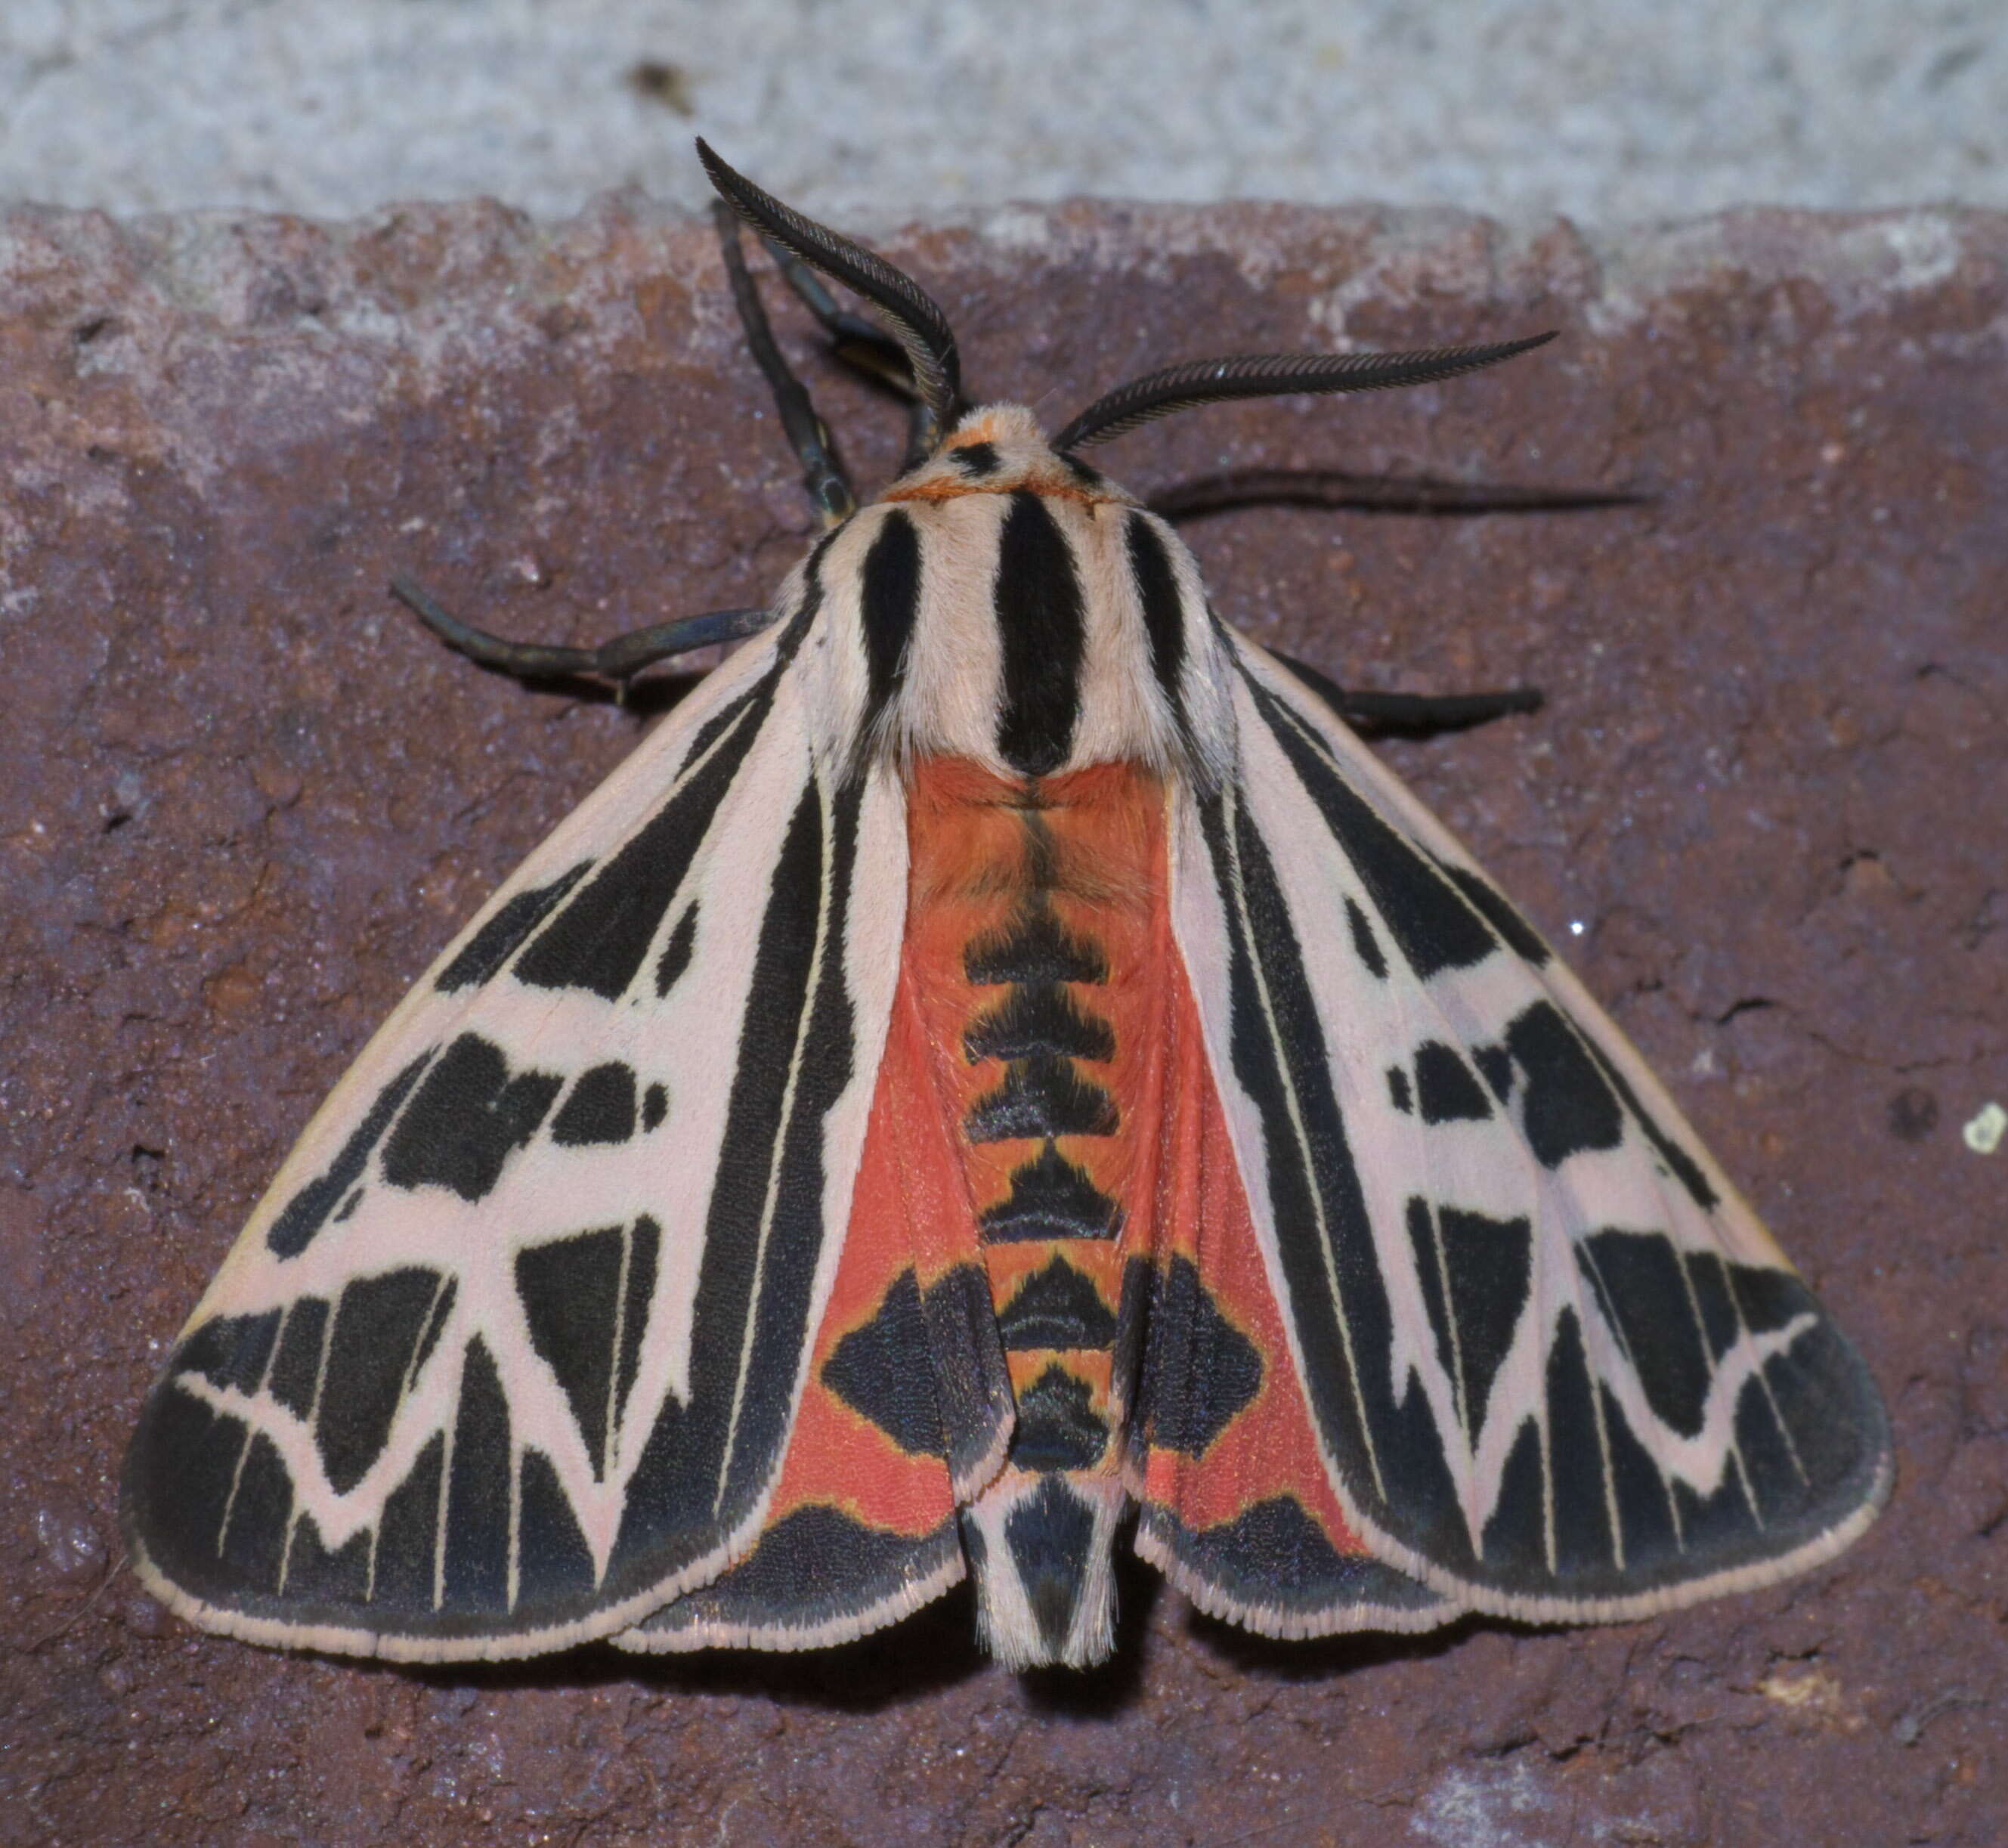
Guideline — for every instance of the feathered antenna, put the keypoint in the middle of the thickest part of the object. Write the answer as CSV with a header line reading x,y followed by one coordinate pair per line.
x,y
917,321
1273,375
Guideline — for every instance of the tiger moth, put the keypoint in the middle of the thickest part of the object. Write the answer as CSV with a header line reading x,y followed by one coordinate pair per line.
x,y
1001,1068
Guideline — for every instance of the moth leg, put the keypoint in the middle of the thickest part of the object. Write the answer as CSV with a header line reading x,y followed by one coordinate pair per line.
x,y
1415,712
862,346
1437,712
822,474
852,339
617,660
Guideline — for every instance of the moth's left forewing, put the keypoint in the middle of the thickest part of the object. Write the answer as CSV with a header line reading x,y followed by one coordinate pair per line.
x,y
1558,1368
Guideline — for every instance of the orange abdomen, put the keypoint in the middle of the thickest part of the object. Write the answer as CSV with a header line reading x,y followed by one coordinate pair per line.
x,y
1037,950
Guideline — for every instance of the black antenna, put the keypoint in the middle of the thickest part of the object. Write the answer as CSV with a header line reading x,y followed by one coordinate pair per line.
x,y
1273,375
919,325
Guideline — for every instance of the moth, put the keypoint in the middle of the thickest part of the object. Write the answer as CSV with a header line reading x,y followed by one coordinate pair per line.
x,y
1001,1068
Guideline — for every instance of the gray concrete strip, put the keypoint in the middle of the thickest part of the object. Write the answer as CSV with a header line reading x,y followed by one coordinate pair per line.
x,y
1602,112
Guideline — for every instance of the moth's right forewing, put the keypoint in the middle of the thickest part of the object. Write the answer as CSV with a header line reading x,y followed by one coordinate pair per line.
x,y
507,1355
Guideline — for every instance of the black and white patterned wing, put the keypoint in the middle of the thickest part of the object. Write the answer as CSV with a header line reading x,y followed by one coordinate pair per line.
x,y
1558,1368
508,1354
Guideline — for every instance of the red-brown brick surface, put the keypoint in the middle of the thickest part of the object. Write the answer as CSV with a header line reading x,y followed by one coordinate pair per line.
x,y
244,800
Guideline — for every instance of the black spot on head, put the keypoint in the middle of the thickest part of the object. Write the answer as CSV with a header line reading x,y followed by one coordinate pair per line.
x,y
600,1108
976,459
1569,1108
499,938
468,1118
1040,629
1086,473
1445,1087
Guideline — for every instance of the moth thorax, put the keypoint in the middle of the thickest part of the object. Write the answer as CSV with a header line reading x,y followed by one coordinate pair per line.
x,y
1026,623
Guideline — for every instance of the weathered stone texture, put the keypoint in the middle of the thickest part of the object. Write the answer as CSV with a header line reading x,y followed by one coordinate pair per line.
x,y
244,799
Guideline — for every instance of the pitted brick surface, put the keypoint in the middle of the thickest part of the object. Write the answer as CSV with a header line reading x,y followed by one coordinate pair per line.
x,y
244,800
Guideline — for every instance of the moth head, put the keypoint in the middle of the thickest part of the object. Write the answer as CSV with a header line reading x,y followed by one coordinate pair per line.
x,y
933,367
998,449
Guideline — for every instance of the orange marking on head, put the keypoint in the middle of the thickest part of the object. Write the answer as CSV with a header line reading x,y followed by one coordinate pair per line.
x,y
1053,487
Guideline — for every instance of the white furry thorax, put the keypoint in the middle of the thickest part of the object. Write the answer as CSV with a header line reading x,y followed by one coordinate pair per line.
x,y
954,678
